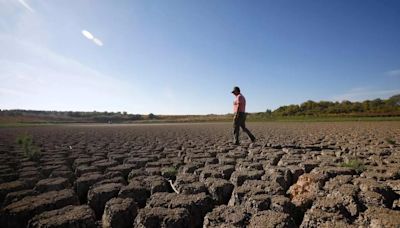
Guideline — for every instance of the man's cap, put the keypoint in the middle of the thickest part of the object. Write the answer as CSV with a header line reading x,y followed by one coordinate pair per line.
x,y
236,89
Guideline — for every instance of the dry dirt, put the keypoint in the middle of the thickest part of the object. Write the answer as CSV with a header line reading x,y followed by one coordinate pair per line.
x,y
190,175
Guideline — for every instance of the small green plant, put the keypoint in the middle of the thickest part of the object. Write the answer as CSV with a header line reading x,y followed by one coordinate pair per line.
x,y
355,164
169,172
390,141
31,151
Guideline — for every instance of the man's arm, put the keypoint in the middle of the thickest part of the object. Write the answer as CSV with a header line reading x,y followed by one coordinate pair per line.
x,y
236,116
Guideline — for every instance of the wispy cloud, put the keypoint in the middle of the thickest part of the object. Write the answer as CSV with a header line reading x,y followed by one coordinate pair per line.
x,y
98,42
393,72
34,76
365,93
169,93
47,80
26,6
90,36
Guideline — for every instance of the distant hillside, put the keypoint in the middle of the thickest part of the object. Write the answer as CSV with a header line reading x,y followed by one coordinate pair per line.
x,y
369,108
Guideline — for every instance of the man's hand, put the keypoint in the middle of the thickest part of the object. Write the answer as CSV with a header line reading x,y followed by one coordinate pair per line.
x,y
235,116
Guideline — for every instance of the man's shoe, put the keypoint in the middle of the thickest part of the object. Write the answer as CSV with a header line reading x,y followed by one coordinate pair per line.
x,y
236,143
253,140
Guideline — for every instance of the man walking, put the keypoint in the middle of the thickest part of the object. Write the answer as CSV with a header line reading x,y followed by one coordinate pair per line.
x,y
239,119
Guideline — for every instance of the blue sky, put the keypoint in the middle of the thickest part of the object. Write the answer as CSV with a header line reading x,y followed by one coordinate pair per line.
x,y
184,57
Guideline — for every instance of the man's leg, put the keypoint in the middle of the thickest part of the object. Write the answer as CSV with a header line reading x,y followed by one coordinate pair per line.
x,y
243,126
236,130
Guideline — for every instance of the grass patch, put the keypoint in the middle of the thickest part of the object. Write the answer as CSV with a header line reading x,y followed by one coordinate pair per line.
x,y
355,164
31,151
390,141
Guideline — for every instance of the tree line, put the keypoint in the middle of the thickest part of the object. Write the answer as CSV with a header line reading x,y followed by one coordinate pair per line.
x,y
377,107
76,116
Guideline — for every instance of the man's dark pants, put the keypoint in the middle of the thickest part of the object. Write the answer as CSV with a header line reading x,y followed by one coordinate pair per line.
x,y
240,122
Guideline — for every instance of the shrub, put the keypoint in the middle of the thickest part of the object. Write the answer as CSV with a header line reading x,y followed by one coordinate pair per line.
x,y
390,141
355,164
31,151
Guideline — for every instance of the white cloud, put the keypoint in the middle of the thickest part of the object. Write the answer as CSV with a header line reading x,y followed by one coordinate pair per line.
x,y
26,5
89,36
365,93
393,72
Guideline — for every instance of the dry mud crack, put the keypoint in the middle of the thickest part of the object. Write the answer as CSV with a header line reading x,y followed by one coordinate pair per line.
x,y
190,175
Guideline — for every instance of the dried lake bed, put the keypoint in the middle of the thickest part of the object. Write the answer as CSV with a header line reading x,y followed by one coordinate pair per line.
x,y
332,174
